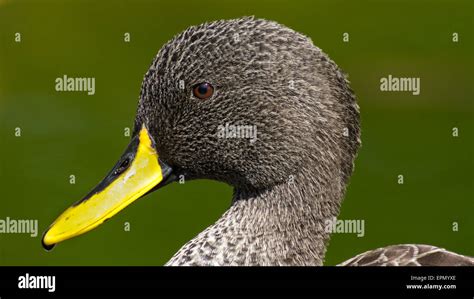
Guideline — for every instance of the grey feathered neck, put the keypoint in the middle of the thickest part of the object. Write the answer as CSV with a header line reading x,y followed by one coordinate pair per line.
x,y
282,225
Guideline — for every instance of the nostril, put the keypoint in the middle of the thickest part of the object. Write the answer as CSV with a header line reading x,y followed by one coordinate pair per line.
x,y
123,165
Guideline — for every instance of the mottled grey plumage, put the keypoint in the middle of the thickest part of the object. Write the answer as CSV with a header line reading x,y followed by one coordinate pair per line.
x,y
294,176
409,255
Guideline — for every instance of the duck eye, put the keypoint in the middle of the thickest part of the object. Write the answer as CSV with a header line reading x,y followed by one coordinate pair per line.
x,y
203,91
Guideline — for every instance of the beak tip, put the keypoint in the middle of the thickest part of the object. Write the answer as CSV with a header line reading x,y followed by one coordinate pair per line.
x,y
46,245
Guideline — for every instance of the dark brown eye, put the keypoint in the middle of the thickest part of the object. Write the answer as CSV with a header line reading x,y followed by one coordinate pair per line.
x,y
203,91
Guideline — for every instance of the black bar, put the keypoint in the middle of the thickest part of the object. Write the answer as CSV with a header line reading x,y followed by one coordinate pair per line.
x,y
156,282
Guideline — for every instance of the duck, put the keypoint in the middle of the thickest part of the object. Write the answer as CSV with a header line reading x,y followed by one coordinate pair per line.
x,y
254,104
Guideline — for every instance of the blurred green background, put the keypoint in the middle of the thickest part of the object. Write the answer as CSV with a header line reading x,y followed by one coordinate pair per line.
x,y
72,133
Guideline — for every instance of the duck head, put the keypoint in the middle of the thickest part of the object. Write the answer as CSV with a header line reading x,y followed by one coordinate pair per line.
x,y
248,102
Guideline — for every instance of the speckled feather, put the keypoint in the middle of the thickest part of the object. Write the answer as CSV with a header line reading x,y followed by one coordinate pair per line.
x,y
409,255
288,182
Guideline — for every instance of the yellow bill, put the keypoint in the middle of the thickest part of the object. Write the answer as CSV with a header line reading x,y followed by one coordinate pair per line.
x,y
138,171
